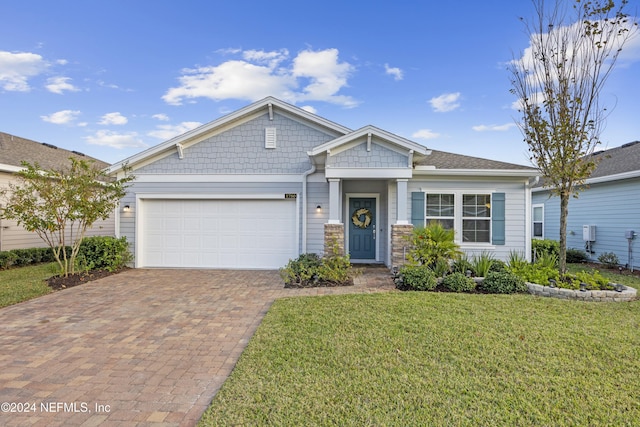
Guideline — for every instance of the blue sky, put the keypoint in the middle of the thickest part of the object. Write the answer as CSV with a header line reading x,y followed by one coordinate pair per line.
x,y
111,78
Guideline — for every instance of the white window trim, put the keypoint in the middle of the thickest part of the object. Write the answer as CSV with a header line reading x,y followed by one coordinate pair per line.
x,y
533,208
458,212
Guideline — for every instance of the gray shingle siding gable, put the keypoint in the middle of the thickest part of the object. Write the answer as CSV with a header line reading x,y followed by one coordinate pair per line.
x,y
359,157
241,150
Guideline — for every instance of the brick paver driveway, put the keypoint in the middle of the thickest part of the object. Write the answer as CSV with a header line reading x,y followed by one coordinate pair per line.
x,y
138,348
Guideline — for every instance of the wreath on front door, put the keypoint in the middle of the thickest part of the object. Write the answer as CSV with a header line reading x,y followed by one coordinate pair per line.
x,y
355,218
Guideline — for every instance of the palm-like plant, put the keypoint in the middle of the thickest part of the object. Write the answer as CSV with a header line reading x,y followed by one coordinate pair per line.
x,y
432,244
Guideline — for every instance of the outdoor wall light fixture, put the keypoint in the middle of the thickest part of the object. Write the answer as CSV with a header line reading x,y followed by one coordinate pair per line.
x,y
126,208
319,208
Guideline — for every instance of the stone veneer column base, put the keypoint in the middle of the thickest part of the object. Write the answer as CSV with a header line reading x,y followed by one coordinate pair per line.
x,y
399,244
333,233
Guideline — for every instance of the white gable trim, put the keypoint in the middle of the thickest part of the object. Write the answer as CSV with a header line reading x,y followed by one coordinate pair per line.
x,y
219,125
391,139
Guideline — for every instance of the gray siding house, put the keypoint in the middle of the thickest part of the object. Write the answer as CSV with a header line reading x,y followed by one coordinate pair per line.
x,y
271,181
601,218
13,151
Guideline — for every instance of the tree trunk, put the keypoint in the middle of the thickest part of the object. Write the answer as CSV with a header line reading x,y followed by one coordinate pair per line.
x,y
564,211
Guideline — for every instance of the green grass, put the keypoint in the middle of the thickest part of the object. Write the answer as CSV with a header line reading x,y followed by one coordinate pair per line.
x,y
626,278
21,284
436,359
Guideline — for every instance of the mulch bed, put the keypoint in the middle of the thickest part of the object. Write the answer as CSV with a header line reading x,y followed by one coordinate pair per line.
x,y
58,283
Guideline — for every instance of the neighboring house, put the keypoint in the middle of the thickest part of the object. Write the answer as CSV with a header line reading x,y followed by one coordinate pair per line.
x,y
270,181
610,203
13,151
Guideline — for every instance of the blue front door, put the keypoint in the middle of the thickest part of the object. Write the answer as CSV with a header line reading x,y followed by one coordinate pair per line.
x,y
362,225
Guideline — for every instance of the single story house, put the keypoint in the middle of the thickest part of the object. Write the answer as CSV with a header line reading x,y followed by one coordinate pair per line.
x,y
606,215
13,151
271,181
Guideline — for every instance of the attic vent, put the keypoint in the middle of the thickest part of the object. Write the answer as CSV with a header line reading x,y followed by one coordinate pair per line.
x,y
78,153
50,145
269,137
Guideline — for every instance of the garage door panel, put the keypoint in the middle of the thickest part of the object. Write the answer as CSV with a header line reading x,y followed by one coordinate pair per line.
x,y
218,233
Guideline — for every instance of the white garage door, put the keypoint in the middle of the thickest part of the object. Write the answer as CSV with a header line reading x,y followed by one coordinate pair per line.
x,y
217,233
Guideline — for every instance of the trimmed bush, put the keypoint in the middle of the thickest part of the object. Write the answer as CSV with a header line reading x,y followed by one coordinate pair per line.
x,y
103,253
576,256
503,283
309,270
417,278
544,246
609,259
498,265
458,282
7,259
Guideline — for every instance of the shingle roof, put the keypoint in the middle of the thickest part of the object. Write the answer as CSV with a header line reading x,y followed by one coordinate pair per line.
x,y
14,150
625,158
444,160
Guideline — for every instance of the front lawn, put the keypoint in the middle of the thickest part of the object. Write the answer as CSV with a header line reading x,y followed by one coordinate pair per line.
x,y
21,284
436,359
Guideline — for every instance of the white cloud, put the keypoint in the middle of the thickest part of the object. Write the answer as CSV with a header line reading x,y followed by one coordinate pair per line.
x,y
165,132
17,68
445,102
493,128
161,117
309,109
259,74
113,119
61,117
60,84
116,140
397,73
536,98
425,134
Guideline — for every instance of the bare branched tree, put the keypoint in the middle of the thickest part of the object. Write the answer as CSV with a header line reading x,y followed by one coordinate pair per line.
x,y
558,80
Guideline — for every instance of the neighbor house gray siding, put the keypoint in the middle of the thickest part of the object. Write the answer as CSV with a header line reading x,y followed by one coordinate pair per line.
x,y
377,157
241,150
613,207
13,236
516,195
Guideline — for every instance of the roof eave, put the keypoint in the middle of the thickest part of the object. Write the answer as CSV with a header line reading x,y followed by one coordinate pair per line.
x,y
517,173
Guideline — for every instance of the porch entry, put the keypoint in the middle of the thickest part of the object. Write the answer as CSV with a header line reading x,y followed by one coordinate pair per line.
x,y
362,228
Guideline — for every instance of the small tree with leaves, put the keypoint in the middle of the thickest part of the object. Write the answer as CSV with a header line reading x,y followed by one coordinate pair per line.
x,y
60,205
558,81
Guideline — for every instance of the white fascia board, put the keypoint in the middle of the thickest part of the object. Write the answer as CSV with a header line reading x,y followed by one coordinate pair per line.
x,y
516,173
10,168
252,109
600,179
217,178
375,173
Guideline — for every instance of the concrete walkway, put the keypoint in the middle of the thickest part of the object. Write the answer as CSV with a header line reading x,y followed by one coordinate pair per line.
x,y
144,347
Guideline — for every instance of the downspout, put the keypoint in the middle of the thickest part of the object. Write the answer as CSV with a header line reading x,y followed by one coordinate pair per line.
x,y
305,175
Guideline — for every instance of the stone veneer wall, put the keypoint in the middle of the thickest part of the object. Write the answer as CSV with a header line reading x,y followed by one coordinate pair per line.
x,y
399,243
627,294
333,232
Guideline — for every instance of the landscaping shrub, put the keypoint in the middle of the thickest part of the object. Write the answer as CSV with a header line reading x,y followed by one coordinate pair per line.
x,y
594,281
7,259
544,246
417,278
481,264
498,265
462,264
609,259
432,243
516,260
575,256
103,253
458,282
503,283
442,267
536,273
310,270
